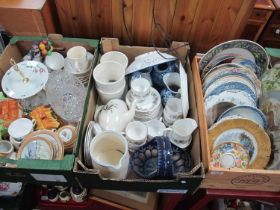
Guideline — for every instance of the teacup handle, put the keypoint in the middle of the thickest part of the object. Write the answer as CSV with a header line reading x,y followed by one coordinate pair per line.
x,y
167,132
53,130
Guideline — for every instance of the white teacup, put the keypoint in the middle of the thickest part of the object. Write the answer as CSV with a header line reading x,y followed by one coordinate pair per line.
x,y
136,133
6,148
109,76
180,133
116,56
77,57
20,128
155,128
109,154
172,111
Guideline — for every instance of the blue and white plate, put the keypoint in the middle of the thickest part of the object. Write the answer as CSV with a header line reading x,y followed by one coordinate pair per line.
x,y
231,87
248,112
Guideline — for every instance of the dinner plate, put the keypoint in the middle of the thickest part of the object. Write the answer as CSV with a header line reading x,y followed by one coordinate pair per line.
x,y
248,112
259,53
184,90
14,86
36,148
246,132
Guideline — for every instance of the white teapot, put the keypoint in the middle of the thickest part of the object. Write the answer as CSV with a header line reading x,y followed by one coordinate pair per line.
x,y
114,115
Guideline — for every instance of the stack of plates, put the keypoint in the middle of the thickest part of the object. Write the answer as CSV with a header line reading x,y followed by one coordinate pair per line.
x,y
148,107
84,75
230,73
88,138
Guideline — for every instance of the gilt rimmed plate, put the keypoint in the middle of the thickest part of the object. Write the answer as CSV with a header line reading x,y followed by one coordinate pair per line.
x,y
248,112
229,155
246,132
53,138
13,85
36,148
259,53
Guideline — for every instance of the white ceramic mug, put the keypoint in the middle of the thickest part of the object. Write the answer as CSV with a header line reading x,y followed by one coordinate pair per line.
x,y
155,128
116,56
172,111
136,134
20,128
180,133
109,76
77,58
109,154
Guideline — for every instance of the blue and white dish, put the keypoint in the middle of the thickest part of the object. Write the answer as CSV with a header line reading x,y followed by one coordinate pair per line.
x,y
160,159
248,112
259,53
249,64
231,87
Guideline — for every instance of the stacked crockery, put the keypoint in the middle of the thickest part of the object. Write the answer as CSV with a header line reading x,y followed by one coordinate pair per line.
x,y
231,88
148,102
79,63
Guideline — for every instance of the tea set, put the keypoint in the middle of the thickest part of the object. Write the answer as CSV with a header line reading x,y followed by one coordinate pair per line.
x,y
138,117
45,104
231,74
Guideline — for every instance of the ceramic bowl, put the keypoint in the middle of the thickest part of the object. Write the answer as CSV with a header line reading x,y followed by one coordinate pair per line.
x,y
55,61
109,76
116,56
6,148
229,155
160,159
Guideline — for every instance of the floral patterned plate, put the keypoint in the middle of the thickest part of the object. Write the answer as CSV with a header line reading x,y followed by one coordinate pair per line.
x,y
249,134
229,155
13,85
271,80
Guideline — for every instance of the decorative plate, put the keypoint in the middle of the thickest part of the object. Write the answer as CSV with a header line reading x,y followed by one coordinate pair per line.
x,y
217,104
237,52
58,148
271,80
248,112
248,133
229,85
259,53
184,90
229,155
68,135
36,148
13,85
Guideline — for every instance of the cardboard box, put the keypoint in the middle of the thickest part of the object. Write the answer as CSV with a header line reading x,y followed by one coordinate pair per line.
x,y
185,182
50,172
221,178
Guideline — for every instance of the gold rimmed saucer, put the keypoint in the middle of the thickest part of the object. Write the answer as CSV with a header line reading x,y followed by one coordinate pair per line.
x,y
246,132
53,138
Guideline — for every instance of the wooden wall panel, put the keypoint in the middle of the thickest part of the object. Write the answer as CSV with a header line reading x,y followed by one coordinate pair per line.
x,y
203,23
